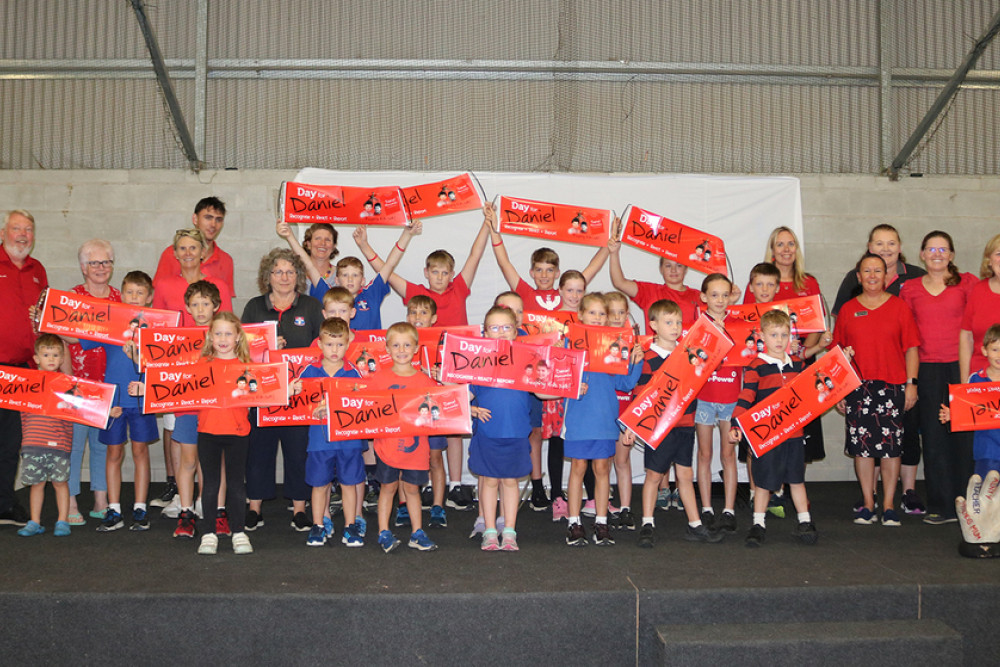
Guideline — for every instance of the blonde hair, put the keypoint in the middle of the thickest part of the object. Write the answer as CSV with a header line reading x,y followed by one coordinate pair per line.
x,y
590,297
985,270
402,329
242,348
798,266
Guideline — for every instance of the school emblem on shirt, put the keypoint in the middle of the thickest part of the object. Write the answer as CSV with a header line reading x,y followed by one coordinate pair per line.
x,y
300,321
362,305
548,302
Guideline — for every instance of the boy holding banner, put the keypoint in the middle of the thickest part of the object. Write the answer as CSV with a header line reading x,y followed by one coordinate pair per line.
x,y
785,464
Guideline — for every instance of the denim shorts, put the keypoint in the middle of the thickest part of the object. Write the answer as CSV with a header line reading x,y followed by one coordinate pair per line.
x,y
710,414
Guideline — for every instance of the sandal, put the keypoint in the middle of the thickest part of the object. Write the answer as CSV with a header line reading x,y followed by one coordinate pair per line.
x,y
76,519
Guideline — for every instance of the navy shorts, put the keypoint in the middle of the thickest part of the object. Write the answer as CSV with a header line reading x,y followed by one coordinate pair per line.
x,y
141,427
347,466
186,429
386,474
677,447
438,442
785,464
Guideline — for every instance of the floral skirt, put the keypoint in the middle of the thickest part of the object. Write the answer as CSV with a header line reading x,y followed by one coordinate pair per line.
x,y
874,420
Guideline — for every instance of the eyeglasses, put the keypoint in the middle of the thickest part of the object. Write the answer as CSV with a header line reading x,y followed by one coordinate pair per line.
x,y
284,274
938,251
497,328
103,263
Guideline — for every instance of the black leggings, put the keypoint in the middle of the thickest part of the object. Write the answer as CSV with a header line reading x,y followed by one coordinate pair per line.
x,y
210,450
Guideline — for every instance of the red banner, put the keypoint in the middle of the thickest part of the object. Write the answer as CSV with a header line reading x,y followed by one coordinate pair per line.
x,y
56,395
342,205
261,337
303,409
389,413
553,371
661,403
368,354
297,358
448,196
175,346
806,313
78,316
747,342
975,406
668,238
214,385
432,341
543,322
608,348
554,222
817,389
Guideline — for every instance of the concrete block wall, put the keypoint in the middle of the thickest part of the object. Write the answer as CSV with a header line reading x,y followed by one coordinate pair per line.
x,y
140,210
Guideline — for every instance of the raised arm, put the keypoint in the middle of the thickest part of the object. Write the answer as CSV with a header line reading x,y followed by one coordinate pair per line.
x,y
476,254
397,251
396,282
627,287
499,249
284,230
596,263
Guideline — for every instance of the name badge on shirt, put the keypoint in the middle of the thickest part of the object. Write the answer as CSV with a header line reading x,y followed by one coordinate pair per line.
x,y
861,313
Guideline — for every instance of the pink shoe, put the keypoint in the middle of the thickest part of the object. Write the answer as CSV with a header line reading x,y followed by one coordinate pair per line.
x,y
509,540
490,541
560,510
589,508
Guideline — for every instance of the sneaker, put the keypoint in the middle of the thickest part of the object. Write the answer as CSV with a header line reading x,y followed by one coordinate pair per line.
x,y
864,517
361,525
112,521
727,522
336,509
254,520
490,540
509,542
222,522
911,503
387,541
241,544
173,510
351,538
62,529
806,532
427,498
335,499
663,497
31,529
576,536
560,510
861,503
209,544
197,509
457,499
647,536
776,507
402,516
186,525
889,518
140,520
756,536
17,516
703,534
675,500
327,527
371,500
602,535
539,501
478,527
317,536
420,541
438,517
935,519
708,519
166,497
589,508
626,521
301,523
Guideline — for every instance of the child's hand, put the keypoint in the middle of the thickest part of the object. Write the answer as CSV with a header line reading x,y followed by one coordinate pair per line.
x,y
283,229
627,439
116,412
281,342
735,435
583,388
614,244
490,216
295,388
482,414
136,388
849,352
319,412
416,228
360,235
435,373
637,354
735,294
944,414
794,345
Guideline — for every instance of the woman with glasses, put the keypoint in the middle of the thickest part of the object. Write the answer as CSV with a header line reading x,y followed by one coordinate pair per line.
x,y
938,301
169,288
282,281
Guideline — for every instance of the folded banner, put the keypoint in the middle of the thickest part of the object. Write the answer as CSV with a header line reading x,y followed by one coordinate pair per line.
x,y
261,337
975,406
342,204
56,395
667,238
448,196
174,346
215,385
379,413
661,403
554,222
78,316
297,358
368,354
806,313
554,371
431,340
817,389
543,322
608,348
747,342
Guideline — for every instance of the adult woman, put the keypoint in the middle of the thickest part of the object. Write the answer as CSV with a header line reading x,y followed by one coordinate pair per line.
x,y
282,283
878,330
318,248
97,263
938,301
169,288
981,312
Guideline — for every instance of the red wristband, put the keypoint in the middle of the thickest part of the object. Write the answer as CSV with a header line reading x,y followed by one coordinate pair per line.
x,y
496,244
374,257
399,248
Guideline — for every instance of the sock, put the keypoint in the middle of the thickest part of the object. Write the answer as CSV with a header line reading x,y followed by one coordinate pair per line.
x,y
139,506
116,507
694,524
648,521
601,520
536,485
454,485
574,520
625,507
220,507
758,518
709,510
805,517
729,510
187,509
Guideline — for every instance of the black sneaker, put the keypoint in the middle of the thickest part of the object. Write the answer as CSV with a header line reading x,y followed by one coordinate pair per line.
x,y
456,499
15,516
727,522
371,500
703,534
708,519
806,532
254,521
427,498
140,520
301,523
539,500
576,536
602,535
112,521
647,536
166,497
756,536
626,521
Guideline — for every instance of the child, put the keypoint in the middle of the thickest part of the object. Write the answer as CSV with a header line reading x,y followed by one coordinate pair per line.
x,y
45,449
785,464
499,452
667,322
618,317
326,460
715,406
137,290
405,458
590,431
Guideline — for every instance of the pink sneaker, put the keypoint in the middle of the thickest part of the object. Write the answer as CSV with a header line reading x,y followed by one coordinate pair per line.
x,y
490,541
509,540
560,510
589,508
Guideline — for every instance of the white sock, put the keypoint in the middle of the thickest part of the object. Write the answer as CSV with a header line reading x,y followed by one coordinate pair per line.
x,y
709,510
805,517
695,523
601,520
625,507
758,519
116,507
574,520
729,510
648,521
453,485
139,506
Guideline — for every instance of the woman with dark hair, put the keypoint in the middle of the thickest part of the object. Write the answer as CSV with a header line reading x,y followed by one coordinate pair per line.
x,y
878,330
938,301
282,283
317,251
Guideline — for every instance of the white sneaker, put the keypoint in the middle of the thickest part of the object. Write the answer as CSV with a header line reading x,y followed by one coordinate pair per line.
x,y
197,509
173,510
209,544
241,544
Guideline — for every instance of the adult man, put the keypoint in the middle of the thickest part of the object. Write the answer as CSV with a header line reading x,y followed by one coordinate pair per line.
x,y
209,218
22,279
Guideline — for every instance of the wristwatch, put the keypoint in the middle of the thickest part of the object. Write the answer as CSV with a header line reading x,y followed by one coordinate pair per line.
x,y
912,381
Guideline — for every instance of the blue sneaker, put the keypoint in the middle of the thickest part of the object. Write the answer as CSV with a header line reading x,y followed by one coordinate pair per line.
x,y
361,525
889,518
387,541
112,521
31,529
317,536
402,516
438,517
420,541
865,517
327,527
140,520
351,537
62,529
